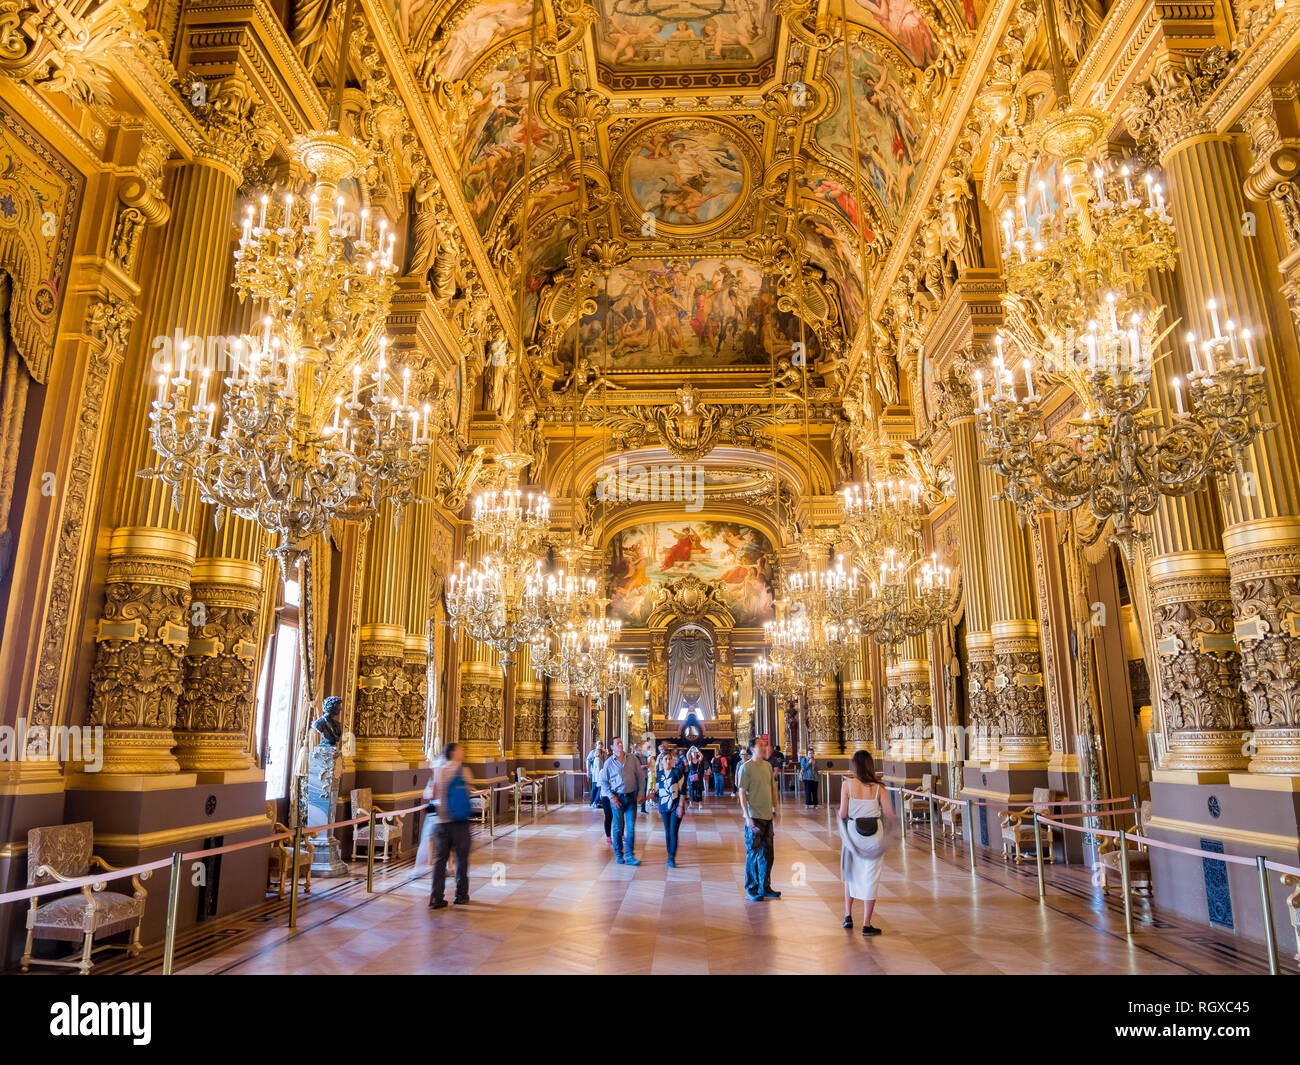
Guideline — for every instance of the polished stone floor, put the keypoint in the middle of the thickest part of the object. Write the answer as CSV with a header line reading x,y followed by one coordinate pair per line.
x,y
548,897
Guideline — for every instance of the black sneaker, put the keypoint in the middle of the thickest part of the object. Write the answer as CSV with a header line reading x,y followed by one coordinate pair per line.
x,y
870,930
461,902
848,923
771,894
438,904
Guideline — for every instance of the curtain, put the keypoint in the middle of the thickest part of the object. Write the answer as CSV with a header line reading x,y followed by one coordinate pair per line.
x,y
14,381
690,666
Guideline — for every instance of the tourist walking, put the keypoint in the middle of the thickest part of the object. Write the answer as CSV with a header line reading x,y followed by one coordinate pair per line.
x,y
622,782
758,805
672,803
695,775
808,774
864,836
717,766
451,784
595,759
742,757
778,764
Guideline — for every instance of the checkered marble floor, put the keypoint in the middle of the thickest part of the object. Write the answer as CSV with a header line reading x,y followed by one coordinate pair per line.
x,y
548,897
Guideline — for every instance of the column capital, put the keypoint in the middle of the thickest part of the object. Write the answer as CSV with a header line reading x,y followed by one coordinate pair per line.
x,y
236,125
1166,109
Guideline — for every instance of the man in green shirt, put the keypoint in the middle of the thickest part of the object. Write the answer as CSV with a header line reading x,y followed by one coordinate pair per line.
x,y
757,793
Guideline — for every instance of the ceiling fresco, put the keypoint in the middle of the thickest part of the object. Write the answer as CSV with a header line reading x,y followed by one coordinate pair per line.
x,y
673,34
685,174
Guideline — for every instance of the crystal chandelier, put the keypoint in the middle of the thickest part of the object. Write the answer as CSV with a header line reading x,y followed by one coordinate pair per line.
x,y
880,516
500,600
773,677
1080,274
909,598
312,425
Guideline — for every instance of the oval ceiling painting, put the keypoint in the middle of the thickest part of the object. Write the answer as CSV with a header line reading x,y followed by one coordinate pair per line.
x,y
688,175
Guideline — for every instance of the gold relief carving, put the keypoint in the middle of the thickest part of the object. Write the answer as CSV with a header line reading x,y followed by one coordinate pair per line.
x,y
481,711
859,731
582,110
216,704
1020,706
415,698
823,720
1200,671
979,687
528,723
801,20
236,125
562,724
381,689
109,324
690,429
1167,110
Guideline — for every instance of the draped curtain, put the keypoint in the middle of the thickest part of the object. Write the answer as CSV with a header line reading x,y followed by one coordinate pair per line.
x,y
14,382
690,665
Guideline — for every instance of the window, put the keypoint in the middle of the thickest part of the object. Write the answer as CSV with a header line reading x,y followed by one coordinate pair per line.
x,y
277,702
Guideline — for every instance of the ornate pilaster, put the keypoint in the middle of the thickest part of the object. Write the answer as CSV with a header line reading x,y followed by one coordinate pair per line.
x,y
1262,502
529,724
415,699
563,717
481,714
858,731
982,726
415,709
909,703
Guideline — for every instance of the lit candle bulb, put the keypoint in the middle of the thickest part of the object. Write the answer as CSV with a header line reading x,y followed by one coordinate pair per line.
x,y
162,387
212,418
1196,358
1160,199
365,217
1230,327
1177,382
979,386
1250,351
261,222
415,424
203,387
1110,309
338,407
1213,308
406,384
424,431
1029,379
1128,185
1101,188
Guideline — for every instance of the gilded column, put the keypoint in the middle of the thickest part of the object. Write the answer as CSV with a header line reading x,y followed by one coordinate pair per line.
x,y
381,675
143,635
415,647
858,733
1198,669
909,702
482,695
823,717
529,724
1262,502
1018,697
562,721
957,407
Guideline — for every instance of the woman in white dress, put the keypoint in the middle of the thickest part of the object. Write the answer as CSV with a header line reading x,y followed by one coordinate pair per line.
x,y
864,837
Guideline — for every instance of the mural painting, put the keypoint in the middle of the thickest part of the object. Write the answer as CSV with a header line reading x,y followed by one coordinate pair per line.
x,y
686,177
662,34
645,557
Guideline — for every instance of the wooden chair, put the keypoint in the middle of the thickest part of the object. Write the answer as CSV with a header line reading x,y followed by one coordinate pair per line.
x,y
280,863
388,828
1018,829
951,819
64,852
1139,860
917,807
1293,906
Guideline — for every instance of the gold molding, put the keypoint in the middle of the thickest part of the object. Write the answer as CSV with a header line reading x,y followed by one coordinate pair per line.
x,y
1267,840
163,837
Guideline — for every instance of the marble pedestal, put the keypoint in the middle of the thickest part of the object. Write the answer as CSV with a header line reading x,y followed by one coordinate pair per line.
x,y
321,800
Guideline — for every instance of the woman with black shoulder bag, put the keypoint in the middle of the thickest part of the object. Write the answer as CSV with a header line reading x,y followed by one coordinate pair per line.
x,y
864,838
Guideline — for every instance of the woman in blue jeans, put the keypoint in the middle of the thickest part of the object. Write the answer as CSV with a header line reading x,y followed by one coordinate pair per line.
x,y
672,803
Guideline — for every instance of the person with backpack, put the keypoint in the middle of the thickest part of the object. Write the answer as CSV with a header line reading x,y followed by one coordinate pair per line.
x,y
716,765
451,785
594,761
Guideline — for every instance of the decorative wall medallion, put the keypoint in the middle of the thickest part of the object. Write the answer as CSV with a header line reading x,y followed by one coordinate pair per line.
x,y
691,175
1213,806
210,805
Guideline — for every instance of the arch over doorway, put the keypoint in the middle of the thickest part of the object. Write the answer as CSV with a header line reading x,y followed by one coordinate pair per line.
x,y
690,603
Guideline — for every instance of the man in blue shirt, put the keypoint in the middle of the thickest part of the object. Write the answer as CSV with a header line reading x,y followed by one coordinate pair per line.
x,y
622,781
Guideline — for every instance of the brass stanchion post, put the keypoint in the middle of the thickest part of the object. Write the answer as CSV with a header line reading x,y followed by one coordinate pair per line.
x,y
932,841
293,883
517,802
1270,937
970,831
173,907
370,855
1124,882
1038,855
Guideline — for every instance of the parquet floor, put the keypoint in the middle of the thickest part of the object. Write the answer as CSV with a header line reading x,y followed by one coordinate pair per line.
x,y
549,898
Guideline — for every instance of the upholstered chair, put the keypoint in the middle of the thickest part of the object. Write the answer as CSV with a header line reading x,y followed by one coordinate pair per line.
x,y
279,867
1139,860
388,828
917,807
1018,829
951,819
64,852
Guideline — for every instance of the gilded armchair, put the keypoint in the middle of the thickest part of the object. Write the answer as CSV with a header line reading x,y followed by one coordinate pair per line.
x,y
65,852
917,807
388,828
1018,829
1139,860
951,819
280,863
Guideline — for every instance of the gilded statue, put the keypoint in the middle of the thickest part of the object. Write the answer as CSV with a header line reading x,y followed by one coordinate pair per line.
x,y
688,428
424,231
585,379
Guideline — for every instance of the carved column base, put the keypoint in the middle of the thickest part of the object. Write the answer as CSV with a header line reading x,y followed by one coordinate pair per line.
x,y
1020,698
1201,708
142,638
907,711
415,660
1264,560
215,712
381,692
981,725
859,735
823,720
562,725
528,723
482,706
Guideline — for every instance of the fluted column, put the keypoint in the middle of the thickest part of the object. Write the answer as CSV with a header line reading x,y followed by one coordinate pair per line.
x,y
381,673
1198,669
481,714
858,733
908,702
958,409
415,646
529,724
1016,681
1262,502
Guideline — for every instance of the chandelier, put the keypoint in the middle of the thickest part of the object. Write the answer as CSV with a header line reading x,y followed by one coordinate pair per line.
x,y
880,516
313,425
773,677
1080,274
909,598
500,601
